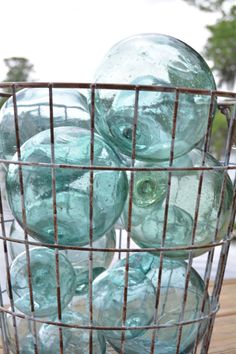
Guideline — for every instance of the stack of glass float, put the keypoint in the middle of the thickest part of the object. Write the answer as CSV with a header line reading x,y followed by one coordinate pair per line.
x,y
150,139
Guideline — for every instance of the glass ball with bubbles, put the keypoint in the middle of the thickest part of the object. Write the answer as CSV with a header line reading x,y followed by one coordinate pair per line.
x,y
75,340
73,187
101,260
149,205
169,310
26,333
43,270
108,296
70,108
154,60
78,258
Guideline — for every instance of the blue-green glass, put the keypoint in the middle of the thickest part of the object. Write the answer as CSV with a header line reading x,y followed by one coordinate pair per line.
x,y
72,146
108,296
24,334
160,60
75,340
28,344
17,232
78,259
101,260
149,202
70,108
44,282
172,288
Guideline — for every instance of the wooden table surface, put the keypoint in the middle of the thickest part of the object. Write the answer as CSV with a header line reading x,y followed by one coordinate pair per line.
x,y
224,334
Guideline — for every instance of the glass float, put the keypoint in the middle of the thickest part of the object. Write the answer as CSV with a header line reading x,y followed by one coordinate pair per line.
x,y
17,233
108,295
75,340
44,282
101,260
149,201
72,146
25,335
172,288
159,60
70,108
79,259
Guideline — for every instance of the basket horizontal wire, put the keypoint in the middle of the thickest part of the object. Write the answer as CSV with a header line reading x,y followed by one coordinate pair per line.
x,y
229,99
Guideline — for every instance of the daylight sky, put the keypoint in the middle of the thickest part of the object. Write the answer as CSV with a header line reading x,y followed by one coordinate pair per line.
x,y
66,40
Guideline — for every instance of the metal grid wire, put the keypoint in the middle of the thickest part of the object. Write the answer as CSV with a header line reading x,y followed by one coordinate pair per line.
x,y
229,110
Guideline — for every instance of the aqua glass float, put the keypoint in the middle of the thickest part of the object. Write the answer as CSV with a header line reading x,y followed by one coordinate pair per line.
x,y
44,282
25,330
146,267
149,203
72,147
70,108
101,260
108,295
78,258
16,232
75,340
155,60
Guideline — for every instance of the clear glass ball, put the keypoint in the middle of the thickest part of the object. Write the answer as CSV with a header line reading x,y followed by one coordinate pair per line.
x,y
17,233
101,260
70,108
79,259
25,334
108,296
149,201
159,60
75,340
72,146
44,282
172,288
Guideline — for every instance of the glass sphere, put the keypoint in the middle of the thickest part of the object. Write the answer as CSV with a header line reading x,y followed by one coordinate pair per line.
x,y
108,296
70,108
75,340
17,232
172,288
101,260
25,335
44,282
79,259
160,60
149,201
72,146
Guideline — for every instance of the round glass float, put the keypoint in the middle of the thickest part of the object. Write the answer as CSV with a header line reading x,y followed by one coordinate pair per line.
x,y
72,187
43,280
75,340
101,260
170,311
70,108
154,60
149,206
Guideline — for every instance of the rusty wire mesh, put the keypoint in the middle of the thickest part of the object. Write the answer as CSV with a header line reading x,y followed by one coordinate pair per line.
x,y
228,108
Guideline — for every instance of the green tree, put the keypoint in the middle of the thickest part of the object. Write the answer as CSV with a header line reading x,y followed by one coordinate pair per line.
x,y
221,48
212,5
19,69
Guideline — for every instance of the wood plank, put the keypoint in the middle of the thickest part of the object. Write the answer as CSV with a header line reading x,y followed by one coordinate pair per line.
x,y
224,338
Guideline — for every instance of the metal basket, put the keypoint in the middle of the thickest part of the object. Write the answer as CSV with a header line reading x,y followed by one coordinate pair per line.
x,y
226,103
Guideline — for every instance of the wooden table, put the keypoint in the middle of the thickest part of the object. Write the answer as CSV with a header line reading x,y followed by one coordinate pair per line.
x,y
224,334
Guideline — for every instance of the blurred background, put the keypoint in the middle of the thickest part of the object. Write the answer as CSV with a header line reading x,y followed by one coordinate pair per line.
x,y
66,41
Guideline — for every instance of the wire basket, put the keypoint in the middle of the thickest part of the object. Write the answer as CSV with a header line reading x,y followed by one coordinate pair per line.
x,y
124,245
